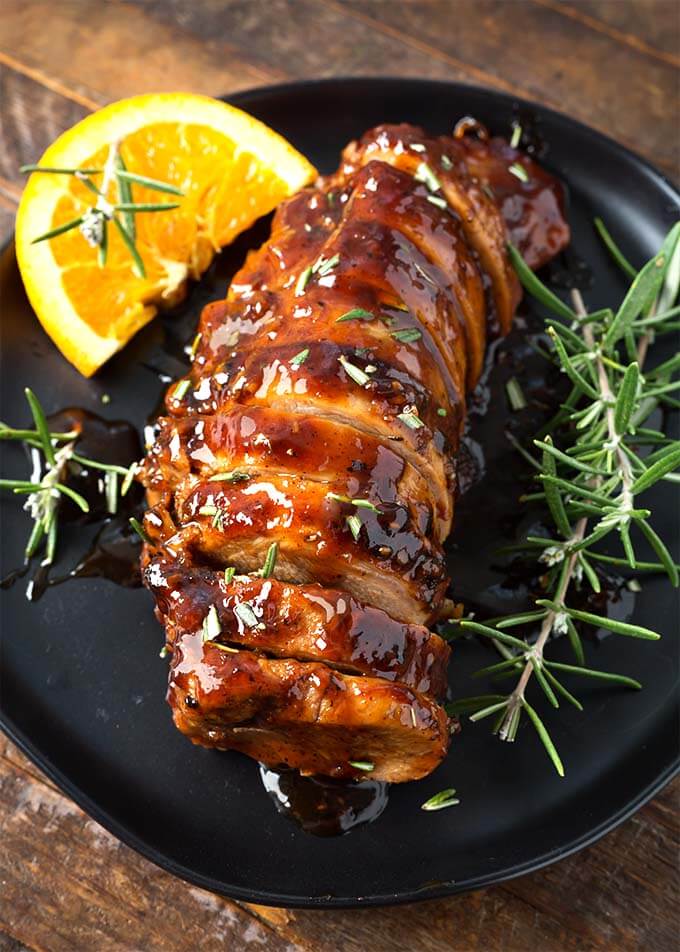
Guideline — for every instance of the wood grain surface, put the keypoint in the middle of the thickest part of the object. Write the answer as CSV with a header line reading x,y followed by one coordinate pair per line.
x,y
65,883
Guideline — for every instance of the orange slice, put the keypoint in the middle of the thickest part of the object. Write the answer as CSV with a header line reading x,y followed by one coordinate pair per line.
x,y
231,169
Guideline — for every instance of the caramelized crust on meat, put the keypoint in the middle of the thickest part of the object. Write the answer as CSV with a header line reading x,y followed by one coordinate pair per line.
x,y
320,422
304,715
307,622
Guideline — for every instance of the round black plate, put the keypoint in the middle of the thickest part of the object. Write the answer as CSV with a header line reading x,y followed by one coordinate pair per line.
x,y
83,686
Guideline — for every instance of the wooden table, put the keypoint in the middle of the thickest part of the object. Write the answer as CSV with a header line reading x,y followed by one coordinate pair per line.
x,y
65,883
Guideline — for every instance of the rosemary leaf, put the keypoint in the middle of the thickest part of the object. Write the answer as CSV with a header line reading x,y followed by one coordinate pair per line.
x,y
536,288
662,552
614,250
41,426
516,397
56,171
487,632
133,207
592,673
59,230
34,540
138,264
441,800
488,711
298,360
147,182
545,737
465,705
356,314
570,368
354,372
270,560
668,461
553,496
125,195
641,293
550,677
612,624
139,529
540,677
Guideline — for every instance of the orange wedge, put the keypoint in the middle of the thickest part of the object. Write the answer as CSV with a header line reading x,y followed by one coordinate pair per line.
x,y
230,168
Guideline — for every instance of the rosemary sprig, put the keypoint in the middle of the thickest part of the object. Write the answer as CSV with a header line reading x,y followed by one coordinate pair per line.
x,y
54,458
599,458
94,222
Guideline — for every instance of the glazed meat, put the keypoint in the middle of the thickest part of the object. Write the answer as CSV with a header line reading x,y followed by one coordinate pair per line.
x,y
311,453
305,715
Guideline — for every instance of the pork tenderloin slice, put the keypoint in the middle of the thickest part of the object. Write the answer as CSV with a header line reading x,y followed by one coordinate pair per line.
x,y
377,554
305,622
262,441
304,715
384,403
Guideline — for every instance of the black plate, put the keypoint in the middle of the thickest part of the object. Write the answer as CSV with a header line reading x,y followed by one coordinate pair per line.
x,y
83,686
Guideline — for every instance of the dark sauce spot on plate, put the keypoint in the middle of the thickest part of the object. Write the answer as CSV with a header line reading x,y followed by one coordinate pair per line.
x,y
322,806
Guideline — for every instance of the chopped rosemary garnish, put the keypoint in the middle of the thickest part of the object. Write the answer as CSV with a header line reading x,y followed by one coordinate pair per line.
x,y
270,560
411,419
408,335
139,529
229,573
519,172
441,411
193,350
244,612
180,390
366,765
323,266
356,373
230,476
298,360
516,397
354,524
111,490
303,281
614,249
358,502
441,800
436,200
356,314
212,627
516,135
425,175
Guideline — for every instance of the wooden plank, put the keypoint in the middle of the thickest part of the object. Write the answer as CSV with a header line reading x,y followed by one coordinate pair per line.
x,y
652,26
31,118
620,894
304,38
105,51
58,866
68,884
542,54
7,213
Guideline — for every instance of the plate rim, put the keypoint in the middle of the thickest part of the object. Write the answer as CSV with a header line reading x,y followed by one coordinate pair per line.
x,y
428,891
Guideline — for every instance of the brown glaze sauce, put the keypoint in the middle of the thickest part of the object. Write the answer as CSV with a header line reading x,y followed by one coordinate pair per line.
x,y
322,806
